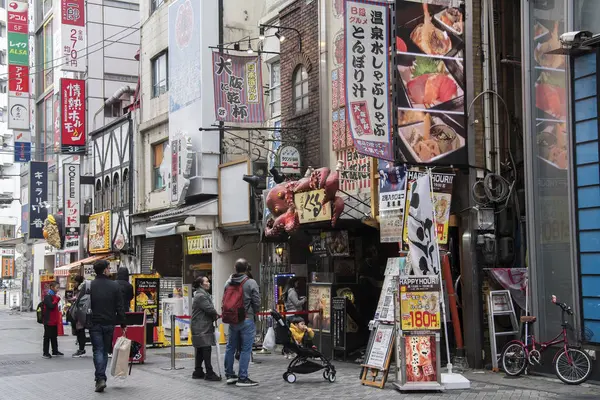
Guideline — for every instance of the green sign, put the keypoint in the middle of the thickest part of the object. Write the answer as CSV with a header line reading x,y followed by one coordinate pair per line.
x,y
18,48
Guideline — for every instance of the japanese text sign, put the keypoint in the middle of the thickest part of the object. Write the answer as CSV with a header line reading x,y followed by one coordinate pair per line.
x,y
420,303
73,35
72,92
18,83
17,16
18,48
22,152
38,197
18,112
238,88
367,77
71,198
309,207
100,233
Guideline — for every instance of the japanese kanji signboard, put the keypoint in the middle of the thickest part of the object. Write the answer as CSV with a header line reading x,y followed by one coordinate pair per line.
x,y
71,206
238,88
72,92
38,198
18,84
73,35
368,105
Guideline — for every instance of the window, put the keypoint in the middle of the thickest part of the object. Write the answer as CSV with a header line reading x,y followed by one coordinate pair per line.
x,y
159,75
155,4
2,57
7,232
113,110
116,192
300,89
47,44
98,196
106,195
125,189
2,29
158,152
45,128
3,85
275,89
47,6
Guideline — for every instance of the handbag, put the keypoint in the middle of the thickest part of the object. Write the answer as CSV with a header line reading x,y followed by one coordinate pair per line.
x,y
119,367
269,342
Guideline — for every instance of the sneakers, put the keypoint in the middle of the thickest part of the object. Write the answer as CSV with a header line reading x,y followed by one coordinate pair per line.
x,y
58,353
78,353
110,355
213,377
246,383
198,375
46,356
100,386
231,379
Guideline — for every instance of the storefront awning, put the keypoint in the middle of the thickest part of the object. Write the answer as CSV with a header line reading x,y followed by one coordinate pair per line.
x,y
162,230
65,270
209,208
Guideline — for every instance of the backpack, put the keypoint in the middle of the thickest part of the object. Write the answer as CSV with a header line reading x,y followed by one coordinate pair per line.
x,y
81,311
232,309
39,312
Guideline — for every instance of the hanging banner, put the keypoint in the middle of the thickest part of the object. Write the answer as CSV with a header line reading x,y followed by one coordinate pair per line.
x,y
73,35
18,113
238,88
100,233
392,182
18,83
367,77
442,200
38,196
71,206
430,53
289,160
72,96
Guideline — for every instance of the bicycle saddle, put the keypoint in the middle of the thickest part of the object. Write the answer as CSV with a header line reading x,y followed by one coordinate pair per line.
x,y
528,319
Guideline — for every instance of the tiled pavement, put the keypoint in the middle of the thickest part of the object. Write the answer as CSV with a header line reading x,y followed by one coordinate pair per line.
x,y
25,375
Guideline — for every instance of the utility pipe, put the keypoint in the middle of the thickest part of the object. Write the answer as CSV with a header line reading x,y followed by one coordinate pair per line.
x,y
487,123
116,96
494,82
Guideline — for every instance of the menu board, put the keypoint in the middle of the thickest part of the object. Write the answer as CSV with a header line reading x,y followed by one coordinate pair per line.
x,y
146,300
420,352
379,349
338,311
430,56
420,303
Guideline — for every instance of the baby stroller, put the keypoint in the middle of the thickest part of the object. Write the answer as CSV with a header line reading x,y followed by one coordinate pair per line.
x,y
307,360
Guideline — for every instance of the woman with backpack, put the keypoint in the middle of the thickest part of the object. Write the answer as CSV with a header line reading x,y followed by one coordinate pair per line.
x,y
78,327
204,315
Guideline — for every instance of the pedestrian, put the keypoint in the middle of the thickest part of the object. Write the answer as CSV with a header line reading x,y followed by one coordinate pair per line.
x,y
238,351
244,329
126,287
52,317
78,327
107,311
203,329
293,303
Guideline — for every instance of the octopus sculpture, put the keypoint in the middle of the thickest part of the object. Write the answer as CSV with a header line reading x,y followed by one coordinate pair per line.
x,y
280,199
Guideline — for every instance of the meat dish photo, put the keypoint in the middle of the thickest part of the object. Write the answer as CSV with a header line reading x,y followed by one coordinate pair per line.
x,y
452,19
428,38
552,142
550,95
429,138
428,83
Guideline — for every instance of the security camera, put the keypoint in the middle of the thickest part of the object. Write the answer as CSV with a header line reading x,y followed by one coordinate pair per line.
x,y
574,39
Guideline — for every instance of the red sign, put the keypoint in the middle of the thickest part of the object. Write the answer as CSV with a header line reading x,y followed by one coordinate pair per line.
x,y
73,12
17,16
19,79
72,94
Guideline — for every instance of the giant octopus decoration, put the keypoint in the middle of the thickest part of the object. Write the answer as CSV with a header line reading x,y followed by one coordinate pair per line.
x,y
280,200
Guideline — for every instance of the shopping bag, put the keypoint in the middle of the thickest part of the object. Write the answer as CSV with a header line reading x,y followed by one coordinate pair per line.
x,y
119,367
269,342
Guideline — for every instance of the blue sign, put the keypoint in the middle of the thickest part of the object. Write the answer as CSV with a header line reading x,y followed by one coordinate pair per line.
x,y
272,161
25,219
38,198
22,152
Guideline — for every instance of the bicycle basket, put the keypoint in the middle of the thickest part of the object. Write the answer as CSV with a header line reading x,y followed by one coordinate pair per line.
x,y
585,335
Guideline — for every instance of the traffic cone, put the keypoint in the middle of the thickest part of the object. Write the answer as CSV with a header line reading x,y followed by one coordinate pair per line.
x,y
155,335
222,339
61,329
161,337
176,335
189,341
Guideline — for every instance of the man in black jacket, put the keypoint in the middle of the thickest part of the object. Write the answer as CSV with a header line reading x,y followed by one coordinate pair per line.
x,y
107,311
126,288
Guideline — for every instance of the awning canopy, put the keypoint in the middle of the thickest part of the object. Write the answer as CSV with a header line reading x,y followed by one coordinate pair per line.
x,y
209,208
65,270
162,230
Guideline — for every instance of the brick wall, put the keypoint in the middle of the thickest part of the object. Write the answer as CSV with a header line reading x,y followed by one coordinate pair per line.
x,y
477,129
305,18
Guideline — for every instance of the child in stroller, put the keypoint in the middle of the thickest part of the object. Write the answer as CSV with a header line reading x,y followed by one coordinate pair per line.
x,y
308,359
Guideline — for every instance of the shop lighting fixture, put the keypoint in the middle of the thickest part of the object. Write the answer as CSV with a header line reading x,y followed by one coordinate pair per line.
x,y
228,57
261,34
236,46
249,51
280,36
277,177
279,250
310,248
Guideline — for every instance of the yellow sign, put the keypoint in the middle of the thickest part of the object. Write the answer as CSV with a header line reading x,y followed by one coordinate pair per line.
x,y
100,233
199,244
309,207
420,310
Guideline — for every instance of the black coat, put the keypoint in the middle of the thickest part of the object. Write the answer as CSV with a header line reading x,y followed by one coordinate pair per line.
x,y
125,286
107,302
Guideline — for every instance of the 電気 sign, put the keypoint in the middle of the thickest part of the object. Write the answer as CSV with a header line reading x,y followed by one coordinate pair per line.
x,y
238,88
289,160
71,206
73,35
420,303
38,196
367,77
72,92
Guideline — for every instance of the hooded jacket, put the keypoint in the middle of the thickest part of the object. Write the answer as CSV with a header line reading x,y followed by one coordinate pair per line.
x,y
125,286
251,293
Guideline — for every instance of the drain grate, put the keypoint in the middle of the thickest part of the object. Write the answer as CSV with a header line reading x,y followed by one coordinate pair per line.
x,y
178,356
11,363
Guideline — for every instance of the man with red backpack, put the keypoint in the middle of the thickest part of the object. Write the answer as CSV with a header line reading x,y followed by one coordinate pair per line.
x,y
241,303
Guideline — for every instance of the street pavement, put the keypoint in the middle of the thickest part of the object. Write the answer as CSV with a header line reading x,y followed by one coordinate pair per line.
x,y
25,375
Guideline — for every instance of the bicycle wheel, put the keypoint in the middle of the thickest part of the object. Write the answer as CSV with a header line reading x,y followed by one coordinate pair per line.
x,y
514,359
575,372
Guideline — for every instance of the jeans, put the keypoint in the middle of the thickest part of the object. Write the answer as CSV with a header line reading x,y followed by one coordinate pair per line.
x,y
203,354
101,336
50,336
245,333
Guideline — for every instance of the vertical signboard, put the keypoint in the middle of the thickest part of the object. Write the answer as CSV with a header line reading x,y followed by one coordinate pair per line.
x,y
38,198
73,35
368,97
71,206
73,115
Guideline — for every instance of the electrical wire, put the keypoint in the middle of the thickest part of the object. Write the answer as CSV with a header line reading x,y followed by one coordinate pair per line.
x,y
34,70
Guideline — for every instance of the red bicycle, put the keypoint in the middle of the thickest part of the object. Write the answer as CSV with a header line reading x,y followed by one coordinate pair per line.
x,y
572,365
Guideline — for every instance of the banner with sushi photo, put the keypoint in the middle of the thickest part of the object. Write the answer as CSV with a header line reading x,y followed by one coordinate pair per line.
x,y
430,51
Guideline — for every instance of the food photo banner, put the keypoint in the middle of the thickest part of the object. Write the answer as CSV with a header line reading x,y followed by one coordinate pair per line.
x,y
367,77
430,52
